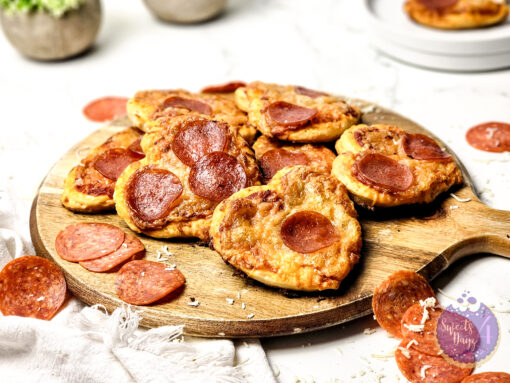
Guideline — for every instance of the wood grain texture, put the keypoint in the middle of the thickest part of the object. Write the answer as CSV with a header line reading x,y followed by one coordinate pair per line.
x,y
426,239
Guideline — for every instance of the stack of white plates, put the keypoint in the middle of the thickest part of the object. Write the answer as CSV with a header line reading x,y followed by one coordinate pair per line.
x,y
395,34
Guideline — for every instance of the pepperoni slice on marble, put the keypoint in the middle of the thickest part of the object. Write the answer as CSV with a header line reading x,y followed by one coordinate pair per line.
x,y
421,147
488,377
198,138
276,159
33,287
425,341
438,4
85,241
229,87
112,162
436,369
105,109
287,114
130,248
308,92
152,193
136,148
217,176
308,231
490,137
187,103
143,282
395,295
383,172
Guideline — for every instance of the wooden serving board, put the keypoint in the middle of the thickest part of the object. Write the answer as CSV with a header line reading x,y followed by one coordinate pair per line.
x,y
426,239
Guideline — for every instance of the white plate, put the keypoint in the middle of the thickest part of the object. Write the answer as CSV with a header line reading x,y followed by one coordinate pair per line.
x,y
388,21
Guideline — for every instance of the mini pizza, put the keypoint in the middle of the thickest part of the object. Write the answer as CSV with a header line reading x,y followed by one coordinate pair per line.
x,y
384,166
146,107
89,186
192,163
274,155
456,14
295,113
299,232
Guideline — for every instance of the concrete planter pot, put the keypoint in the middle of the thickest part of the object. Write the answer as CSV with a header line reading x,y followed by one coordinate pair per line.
x,y
42,36
185,11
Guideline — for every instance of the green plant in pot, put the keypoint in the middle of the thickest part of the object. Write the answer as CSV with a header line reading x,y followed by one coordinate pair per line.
x,y
50,29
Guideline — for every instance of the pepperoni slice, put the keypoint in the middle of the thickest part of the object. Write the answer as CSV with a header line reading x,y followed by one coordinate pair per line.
x,y
395,295
309,92
217,176
143,282
187,103
276,159
136,148
435,368
421,147
131,247
85,241
438,5
308,231
426,341
152,193
229,87
488,377
112,162
374,169
105,109
287,114
198,138
490,137
31,286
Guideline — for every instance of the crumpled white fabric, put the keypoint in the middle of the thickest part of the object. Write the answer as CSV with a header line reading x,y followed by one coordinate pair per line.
x,y
85,344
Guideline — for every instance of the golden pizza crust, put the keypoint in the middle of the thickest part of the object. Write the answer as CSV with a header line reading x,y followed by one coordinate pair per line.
x,y
245,230
464,14
431,178
333,118
192,215
144,109
83,176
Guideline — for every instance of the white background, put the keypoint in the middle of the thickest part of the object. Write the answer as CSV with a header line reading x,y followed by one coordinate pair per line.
x,y
319,44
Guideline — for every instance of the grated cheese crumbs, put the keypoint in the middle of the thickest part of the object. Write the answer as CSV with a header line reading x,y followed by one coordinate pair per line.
x,y
194,303
251,316
423,369
427,303
460,199
124,245
230,301
453,207
405,352
159,255
387,355
40,299
238,295
411,342
143,273
414,327
243,305
369,331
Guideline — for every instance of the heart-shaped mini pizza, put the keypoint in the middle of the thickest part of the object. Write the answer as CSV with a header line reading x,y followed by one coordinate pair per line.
x,y
192,163
298,232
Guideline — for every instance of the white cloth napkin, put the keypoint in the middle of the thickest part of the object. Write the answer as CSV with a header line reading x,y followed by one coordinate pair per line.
x,y
85,344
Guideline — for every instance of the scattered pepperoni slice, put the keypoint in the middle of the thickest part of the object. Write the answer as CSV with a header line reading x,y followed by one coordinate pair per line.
x,y
395,295
136,148
229,87
308,92
438,5
198,138
112,162
287,114
490,137
276,159
131,247
85,241
308,231
421,147
374,169
152,193
187,103
438,369
143,282
488,377
105,109
426,341
217,176
31,286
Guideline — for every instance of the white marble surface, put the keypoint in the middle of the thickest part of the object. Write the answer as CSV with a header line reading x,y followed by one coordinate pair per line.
x,y
320,44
